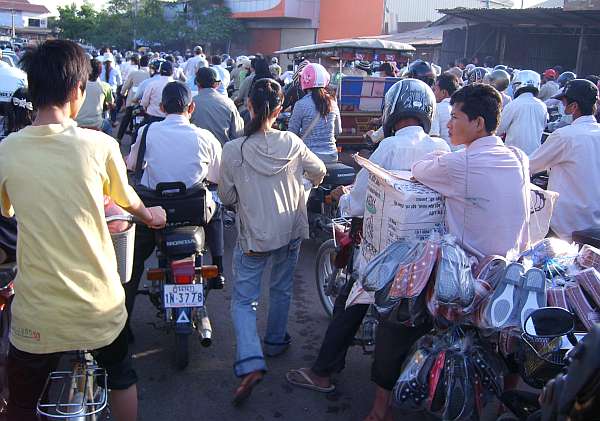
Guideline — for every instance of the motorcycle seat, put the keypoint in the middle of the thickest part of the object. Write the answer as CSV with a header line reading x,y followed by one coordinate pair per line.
x,y
8,271
339,174
182,241
589,236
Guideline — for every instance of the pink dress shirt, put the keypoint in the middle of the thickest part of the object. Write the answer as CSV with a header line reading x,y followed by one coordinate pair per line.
x,y
486,187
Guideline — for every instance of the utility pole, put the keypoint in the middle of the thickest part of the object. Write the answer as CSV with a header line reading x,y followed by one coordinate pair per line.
x,y
12,16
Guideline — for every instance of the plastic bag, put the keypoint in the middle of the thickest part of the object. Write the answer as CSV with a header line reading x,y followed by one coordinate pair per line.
x,y
381,270
454,282
451,375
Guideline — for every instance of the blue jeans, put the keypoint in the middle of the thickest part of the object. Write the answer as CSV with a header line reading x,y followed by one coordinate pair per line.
x,y
247,273
107,127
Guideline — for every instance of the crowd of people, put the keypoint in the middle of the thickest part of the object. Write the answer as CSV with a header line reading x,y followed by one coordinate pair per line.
x,y
473,134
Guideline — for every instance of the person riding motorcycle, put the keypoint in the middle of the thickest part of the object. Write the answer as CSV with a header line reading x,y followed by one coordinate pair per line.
x,y
524,119
565,78
421,70
408,111
316,117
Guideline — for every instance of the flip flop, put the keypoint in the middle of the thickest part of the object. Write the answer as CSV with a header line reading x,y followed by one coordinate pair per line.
x,y
306,382
244,390
505,299
534,293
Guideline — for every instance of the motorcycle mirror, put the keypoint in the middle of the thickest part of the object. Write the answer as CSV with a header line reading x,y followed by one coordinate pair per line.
x,y
549,322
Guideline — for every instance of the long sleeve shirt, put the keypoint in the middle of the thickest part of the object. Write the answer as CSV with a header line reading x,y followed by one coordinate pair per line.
x,y
572,155
132,83
321,140
115,79
177,151
487,195
523,121
398,152
439,125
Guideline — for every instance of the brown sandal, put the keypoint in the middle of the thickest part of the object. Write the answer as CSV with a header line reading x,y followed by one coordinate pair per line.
x,y
244,390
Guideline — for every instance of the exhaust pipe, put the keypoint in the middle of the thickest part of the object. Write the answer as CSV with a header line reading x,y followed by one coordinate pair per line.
x,y
204,328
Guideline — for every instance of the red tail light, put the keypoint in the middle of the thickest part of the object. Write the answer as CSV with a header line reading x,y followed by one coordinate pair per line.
x,y
183,271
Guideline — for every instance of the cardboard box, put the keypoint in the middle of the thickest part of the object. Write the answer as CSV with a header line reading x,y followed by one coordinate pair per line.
x,y
396,208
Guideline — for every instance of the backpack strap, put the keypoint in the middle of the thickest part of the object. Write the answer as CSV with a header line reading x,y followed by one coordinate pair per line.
x,y
139,171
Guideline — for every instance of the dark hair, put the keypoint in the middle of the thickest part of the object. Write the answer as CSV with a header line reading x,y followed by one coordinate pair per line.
x,y
266,95
464,61
290,67
170,58
135,59
216,60
479,100
388,69
323,100
54,68
96,69
588,108
144,61
448,82
593,78
107,68
18,117
261,70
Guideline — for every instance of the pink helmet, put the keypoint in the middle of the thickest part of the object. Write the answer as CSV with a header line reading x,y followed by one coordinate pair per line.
x,y
314,76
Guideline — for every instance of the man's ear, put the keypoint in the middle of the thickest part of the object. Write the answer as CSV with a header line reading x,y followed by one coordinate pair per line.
x,y
480,123
162,108
191,108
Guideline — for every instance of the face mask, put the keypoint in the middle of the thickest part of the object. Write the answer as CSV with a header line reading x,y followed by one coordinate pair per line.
x,y
566,118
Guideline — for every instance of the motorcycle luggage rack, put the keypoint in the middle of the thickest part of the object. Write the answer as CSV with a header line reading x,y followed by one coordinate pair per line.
x,y
342,224
69,394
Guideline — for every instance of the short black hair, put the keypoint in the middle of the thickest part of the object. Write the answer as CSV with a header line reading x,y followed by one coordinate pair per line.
x,y
593,78
479,100
290,67
54,69
216,60
448,82
464,61
144,61
585,108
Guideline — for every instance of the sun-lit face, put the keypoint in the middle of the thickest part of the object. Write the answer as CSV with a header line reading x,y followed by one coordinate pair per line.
x,y
463,131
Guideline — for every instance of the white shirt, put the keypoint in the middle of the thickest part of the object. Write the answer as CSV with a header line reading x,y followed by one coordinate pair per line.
x,y
142,88
153,95
193,64
523,121
399,153
441,117
11,79
225,79
486,187
176,150
572,154
126,68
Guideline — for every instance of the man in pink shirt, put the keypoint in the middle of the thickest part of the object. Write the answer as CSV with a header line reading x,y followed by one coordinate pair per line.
x,y
485,184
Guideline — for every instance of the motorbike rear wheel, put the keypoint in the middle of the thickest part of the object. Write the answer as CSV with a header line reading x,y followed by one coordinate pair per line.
x,y
325,273
182,350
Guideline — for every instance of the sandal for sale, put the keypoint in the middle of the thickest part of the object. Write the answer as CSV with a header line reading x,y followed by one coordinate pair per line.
x,y
589,280
505,299
534,293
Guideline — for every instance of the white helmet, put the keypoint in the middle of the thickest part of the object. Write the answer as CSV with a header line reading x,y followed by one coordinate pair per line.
x,y
275,60
526,81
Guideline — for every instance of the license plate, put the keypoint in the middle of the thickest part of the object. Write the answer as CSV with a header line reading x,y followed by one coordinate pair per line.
x,y
179,296
138,120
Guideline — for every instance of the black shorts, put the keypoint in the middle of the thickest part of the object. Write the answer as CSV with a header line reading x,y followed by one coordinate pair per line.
x,y
393,342
27,374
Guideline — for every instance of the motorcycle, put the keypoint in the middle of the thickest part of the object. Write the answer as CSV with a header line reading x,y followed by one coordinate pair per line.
x,y
7,275
180,285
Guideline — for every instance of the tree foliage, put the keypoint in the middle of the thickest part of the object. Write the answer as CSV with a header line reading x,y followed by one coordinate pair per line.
x,y
153,21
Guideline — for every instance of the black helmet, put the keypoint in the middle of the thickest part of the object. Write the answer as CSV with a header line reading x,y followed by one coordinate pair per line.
x,y
581,91
499,79
421,70
501,67
565,78
154,65
477,75
408,98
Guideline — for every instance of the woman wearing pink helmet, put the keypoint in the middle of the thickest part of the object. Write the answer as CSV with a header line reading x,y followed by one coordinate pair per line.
x,y
316,117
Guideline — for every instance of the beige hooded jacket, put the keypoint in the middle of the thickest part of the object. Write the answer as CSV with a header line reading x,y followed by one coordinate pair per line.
x,y
261,177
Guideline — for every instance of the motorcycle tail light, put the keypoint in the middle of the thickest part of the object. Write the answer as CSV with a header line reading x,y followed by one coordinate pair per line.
x,y
183,271
208,272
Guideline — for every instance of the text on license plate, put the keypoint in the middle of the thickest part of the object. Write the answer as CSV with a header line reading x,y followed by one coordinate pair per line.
x,y
177,296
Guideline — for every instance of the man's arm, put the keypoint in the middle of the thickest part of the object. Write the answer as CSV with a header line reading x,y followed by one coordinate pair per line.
x,y
215,151
505,119
236,125
145,102
433,172
133,153
127,85
551,153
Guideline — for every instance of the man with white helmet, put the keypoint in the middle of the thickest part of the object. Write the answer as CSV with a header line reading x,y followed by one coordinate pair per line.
x,y
407,115
524,119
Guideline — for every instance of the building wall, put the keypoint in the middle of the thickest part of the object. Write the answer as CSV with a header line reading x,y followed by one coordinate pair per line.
x,y
264,41
22,19
293,38
350,18
303,9
425,10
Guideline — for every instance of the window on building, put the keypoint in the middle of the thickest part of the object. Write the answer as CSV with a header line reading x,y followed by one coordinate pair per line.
x,y
36,23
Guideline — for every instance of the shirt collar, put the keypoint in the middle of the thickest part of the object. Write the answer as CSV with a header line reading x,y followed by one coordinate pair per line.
x,y
176,118
50,129
526,95
585,119
485,141
411,131
445,100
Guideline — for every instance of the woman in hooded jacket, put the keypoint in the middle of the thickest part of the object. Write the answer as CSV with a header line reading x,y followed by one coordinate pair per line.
x,y
262,179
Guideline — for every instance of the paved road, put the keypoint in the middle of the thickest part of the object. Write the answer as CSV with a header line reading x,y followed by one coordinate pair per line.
x,y
203,391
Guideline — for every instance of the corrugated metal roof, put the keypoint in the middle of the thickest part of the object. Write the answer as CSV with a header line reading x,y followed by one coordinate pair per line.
x,y
430,35
426,10
534,17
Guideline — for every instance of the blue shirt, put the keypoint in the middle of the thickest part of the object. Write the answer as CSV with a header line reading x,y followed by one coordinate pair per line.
x,y
114,78
321,140
225,79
